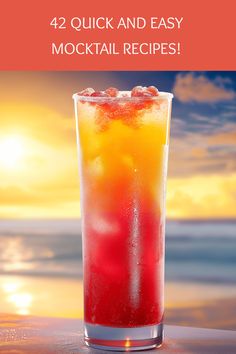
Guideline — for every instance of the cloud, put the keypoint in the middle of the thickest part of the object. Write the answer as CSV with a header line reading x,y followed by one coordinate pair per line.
x,y
225,136
41,211
209,150
190,87
39,122
42,202
202,197
16,195
52,89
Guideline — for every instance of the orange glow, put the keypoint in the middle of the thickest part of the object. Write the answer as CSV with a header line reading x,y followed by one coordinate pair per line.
x,y
39,170
38,163
20,300
12,151
127,344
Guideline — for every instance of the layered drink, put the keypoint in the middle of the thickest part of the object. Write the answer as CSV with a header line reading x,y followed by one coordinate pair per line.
x,y
123,141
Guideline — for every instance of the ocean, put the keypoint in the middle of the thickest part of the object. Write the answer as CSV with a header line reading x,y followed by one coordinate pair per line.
x,y
196,251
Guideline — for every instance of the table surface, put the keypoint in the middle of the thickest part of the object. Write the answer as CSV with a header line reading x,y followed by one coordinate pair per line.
x,y
22,334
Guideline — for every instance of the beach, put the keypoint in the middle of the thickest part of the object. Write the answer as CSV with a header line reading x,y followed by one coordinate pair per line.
x,y
41,271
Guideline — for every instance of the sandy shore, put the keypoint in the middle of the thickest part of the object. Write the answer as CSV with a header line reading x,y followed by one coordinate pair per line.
x,y
189,304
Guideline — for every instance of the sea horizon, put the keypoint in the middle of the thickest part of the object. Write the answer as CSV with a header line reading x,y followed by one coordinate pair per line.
x,y
195,251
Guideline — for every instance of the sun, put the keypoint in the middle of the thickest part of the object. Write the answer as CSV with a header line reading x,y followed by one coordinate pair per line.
x,y
11,151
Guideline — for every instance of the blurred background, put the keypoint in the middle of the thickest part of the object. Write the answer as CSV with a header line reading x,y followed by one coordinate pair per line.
x,y
40,232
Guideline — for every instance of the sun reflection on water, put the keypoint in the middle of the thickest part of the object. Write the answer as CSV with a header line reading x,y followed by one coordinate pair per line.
x,y
23,293
16,255
127,344
22,301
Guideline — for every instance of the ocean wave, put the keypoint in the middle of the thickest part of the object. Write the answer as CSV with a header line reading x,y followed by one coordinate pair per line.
x,y
195,251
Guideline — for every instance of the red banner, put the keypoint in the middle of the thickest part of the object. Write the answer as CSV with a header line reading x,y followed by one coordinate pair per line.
x,y
117,35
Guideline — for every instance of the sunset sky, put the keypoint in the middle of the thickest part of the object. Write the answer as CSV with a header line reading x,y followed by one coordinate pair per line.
x,y
38,162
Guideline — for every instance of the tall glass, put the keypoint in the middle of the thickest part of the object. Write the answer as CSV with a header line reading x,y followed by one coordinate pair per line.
x,y
123,151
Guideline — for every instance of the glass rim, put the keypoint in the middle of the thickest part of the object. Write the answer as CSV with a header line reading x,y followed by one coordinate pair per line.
x,y
162,95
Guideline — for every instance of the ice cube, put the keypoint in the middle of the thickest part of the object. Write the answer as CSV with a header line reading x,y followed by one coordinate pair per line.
x,y
104,226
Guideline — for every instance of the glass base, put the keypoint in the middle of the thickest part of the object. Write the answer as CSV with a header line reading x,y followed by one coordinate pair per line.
x,y
123,339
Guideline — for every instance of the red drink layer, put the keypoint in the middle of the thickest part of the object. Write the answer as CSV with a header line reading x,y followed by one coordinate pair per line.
x,y
123,145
